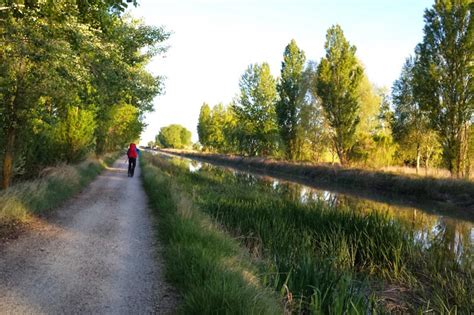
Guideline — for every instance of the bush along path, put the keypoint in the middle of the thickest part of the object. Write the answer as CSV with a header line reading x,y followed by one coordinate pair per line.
x,y
95,254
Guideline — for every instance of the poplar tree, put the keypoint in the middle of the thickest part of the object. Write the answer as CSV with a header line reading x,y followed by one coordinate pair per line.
x,y
255,111
339,76
290,88
443,77
411,125
204,124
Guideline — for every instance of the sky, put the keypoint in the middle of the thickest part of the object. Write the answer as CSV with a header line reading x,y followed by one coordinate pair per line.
x,y
214,41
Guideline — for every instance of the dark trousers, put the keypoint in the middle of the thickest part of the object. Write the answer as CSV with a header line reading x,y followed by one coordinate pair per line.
x,y
132,162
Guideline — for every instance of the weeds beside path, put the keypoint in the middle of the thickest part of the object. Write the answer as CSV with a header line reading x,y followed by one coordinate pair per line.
x,y
20,202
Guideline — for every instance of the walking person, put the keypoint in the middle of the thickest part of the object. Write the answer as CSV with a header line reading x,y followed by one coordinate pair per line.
x,y
132,159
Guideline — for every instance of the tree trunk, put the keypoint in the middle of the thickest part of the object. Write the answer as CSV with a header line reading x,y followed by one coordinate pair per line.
x,y
418,156
464,150
427,163
341,154
8,158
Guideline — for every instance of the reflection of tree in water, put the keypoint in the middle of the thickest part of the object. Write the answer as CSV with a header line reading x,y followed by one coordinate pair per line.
x,y
194,166
183,164
249,179
454,238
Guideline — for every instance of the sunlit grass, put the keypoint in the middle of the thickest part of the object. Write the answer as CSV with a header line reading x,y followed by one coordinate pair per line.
x,y
213,275
331,260
53,187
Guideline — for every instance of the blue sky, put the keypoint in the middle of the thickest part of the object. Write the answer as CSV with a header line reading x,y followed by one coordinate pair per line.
x,y
214,41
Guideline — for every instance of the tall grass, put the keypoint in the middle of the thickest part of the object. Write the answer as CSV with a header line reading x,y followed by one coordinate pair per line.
x,y
212,273
331,260
55,185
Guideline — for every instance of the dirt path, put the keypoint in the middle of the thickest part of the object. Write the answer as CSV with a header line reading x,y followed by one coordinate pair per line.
x,y
97,254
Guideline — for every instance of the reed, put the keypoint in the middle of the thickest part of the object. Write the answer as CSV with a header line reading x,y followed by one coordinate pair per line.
x,y
326,259
213,274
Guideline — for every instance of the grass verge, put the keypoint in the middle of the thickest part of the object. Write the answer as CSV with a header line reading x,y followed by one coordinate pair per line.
x,y
25,199
213,274
457,192
331,260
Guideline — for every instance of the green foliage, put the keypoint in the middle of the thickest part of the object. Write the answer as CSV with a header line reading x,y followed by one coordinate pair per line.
x,y
66,68
411,124
204,125
174,136
74,134
313,129
124,126
291,93
217,127
335,110
255,112
443,77
339,77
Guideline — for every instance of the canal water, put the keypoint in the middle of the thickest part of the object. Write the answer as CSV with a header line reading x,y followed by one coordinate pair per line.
x,y
452,232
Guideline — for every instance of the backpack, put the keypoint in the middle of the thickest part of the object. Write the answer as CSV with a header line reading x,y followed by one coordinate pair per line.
x,y
132,153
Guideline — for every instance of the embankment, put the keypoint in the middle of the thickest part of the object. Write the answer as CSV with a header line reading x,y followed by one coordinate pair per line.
x,y
453,193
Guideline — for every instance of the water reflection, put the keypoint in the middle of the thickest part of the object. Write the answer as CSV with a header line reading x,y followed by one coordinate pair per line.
x,y
194,166
454,236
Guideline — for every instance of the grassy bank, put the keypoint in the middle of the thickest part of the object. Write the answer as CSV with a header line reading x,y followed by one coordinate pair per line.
x,y
22,200
327,260
452,191
208,267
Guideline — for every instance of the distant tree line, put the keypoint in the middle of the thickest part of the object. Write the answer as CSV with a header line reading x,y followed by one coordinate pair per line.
x,y
331,112
72,81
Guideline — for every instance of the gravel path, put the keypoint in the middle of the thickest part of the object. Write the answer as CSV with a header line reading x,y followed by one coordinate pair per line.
x,y
97,254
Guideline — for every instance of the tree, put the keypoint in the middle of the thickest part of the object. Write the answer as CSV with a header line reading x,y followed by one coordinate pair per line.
x,y
255,111
151,144
123,125
411,124
33,63
339,76
289,88
174,136
69,60
443,77
204,124
370,104
385,147
76,133
312,129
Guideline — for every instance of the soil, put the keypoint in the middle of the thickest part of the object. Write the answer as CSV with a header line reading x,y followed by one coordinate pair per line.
x,y
97,254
